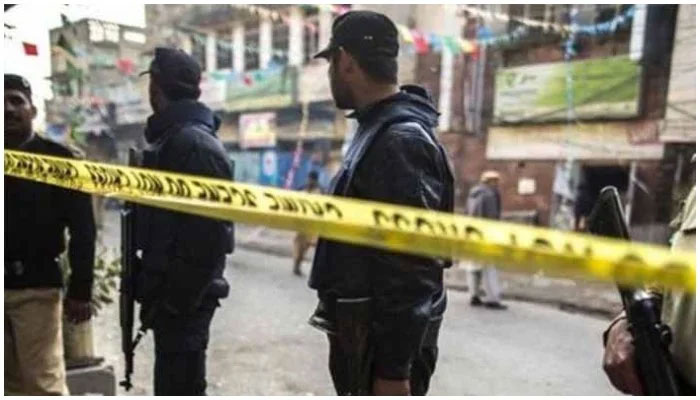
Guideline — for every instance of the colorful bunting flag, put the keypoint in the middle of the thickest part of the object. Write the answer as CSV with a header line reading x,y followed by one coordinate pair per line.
x,y
451,44
405,33
420,42
467,46
435,42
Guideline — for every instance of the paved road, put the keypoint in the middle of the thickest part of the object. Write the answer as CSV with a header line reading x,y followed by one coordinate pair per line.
x,y
261,344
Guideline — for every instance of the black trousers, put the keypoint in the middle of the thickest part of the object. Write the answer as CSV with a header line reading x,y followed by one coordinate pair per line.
x,y
180,349
422,369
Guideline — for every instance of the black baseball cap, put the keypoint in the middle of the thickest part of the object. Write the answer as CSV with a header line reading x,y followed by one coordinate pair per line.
x,y
16,82
176,72
363,33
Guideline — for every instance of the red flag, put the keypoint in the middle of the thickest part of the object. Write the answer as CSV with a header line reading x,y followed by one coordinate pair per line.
x,y
30,49
125,66
420,42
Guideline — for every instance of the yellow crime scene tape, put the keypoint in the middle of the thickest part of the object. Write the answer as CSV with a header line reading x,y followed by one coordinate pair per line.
x,y
406,229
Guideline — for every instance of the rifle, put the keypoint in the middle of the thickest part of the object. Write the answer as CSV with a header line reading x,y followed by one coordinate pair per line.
x,y
651,337
127,287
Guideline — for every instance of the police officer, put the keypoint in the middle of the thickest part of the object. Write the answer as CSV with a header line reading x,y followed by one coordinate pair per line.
x,y
183,256
381,309
677,311
36,217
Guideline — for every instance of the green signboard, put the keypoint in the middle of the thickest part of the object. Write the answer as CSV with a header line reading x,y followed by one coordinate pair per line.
x,y
606,88
272,88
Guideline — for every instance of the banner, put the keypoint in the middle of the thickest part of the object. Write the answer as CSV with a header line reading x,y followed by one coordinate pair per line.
x,y
257,130
272,88
605,88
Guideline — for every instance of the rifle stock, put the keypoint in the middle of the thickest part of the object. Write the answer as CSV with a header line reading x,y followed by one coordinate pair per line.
x,y
651,337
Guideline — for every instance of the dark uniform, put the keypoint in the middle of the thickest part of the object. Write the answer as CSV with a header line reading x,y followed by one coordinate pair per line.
x,y
382,310
36,217
183,255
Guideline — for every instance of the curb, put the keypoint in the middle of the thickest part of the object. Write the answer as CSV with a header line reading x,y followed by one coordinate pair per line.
x,y
518,295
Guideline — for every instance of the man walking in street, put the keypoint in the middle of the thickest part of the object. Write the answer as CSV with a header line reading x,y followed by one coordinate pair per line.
x,y
484,201
184,256
303,241
381,309
36,217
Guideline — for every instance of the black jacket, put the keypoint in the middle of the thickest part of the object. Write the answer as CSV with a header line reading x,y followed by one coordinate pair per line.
x,y
393,158
36,217
183,255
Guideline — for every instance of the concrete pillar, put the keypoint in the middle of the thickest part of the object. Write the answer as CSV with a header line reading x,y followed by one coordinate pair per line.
x,y
325,25
238,47
444,21
296,36
638,28
445,106
232,39
265,41
210,54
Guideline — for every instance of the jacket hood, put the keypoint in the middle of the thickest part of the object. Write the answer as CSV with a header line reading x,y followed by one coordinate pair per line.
x,y
180,112
412,101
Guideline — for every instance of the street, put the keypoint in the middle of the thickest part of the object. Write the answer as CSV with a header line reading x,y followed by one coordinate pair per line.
x,y
261,344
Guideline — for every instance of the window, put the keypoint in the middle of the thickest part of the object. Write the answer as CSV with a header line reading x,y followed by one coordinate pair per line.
x,y
311,28
97,33
516,12
112,33
199,49
224,52
135,37
251,40
103,32
537,11
280,42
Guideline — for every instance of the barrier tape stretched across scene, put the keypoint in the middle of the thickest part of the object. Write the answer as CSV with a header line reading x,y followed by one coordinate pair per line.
x,y
388,226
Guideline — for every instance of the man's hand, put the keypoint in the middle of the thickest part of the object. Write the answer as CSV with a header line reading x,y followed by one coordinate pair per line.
x,y
618,360
387,387
76,311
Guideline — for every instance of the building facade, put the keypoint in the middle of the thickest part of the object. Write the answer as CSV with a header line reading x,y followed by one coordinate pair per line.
x,y
559,125
99,102
558,115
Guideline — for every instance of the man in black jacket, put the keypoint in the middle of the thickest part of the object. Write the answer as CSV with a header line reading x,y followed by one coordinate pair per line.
x,y
36,217
183,256
394,157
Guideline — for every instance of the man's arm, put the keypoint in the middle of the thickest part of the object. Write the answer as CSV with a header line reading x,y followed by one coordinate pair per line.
x,y
81,252
403,170
81,248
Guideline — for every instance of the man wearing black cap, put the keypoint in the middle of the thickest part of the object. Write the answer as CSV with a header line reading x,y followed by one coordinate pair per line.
x,y
183,256
36,217
381,309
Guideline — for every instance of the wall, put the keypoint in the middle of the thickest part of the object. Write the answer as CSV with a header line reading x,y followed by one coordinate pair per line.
x,y
468,157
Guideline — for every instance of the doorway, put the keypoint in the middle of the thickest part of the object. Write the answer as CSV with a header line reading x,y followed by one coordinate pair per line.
x,y
592,180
